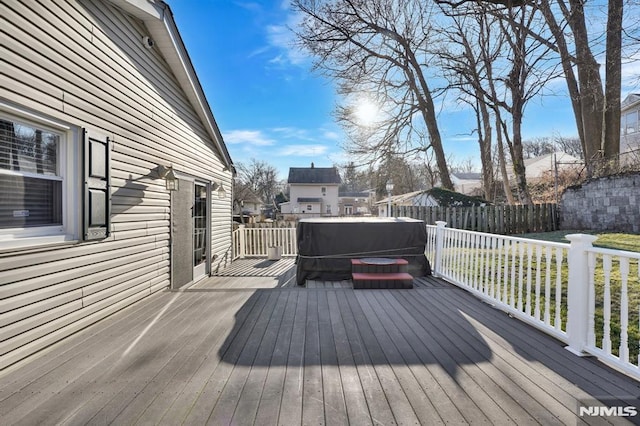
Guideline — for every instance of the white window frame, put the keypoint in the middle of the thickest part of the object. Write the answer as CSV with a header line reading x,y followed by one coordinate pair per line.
x,y
636,122
68,173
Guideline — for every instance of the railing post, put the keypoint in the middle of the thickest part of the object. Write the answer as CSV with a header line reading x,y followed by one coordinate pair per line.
x,y
578,292
439,246
241,236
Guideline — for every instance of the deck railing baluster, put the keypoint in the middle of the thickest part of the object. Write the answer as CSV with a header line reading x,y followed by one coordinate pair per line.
x,y
527,306
505,270
492,251
547,286
538,282
500,269
623,350
591,330
606,337
520,276
558,318
514,250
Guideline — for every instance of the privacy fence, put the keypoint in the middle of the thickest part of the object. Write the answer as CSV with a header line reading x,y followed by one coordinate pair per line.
x,y
505,220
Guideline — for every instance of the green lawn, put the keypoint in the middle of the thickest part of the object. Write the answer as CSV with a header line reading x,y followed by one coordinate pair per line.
x,y
627,242
612,240
618,241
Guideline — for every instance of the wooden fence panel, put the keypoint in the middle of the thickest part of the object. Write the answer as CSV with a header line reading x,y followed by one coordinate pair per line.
x,y
505,220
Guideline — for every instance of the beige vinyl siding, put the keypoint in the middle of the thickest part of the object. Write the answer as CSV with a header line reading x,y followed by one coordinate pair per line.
x,y
83,63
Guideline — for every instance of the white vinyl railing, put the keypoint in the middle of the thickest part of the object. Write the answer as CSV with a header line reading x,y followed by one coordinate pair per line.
x,y
575,292
255,242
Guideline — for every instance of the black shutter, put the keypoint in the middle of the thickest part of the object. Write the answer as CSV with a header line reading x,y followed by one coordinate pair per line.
x,y
97,187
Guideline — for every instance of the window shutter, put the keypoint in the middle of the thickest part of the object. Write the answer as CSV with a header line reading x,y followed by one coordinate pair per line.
x,y
97,186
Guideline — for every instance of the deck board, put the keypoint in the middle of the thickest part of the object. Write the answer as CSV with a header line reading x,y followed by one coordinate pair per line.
x,y
250,350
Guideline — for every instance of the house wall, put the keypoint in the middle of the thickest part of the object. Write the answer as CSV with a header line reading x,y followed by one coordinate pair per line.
x,y
630,128
314,191
359,205
83,63
467,186
606,204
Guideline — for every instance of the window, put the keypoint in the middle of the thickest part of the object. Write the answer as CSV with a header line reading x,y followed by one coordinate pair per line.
x,y
309,207
39,172
31,181
631,122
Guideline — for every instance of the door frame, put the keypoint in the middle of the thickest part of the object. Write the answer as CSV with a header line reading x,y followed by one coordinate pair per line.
x,y
204,269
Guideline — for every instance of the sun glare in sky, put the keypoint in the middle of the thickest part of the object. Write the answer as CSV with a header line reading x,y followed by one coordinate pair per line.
x,y
366,112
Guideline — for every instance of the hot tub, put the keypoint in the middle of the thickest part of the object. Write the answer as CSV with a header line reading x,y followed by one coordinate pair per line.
x,y
327,245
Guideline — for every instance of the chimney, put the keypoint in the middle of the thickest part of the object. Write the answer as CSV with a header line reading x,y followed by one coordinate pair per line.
x,y
312,165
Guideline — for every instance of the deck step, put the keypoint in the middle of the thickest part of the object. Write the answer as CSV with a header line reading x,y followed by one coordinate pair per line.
x,y
362,280
399,265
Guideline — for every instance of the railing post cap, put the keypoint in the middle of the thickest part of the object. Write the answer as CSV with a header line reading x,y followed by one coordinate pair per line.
x,y
441,223
242,225
581,238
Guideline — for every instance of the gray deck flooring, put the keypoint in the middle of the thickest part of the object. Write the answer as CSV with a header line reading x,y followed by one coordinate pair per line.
x,y
258,350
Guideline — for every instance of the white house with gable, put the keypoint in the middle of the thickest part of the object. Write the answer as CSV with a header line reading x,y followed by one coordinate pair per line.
x,y
313,191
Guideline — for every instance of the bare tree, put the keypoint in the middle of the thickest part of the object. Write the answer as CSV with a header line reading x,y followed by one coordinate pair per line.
x,y
259,177
378,47
571,146
596,111
536,147
467,47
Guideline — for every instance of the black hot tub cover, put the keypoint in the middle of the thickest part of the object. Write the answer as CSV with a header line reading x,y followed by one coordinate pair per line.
x,y
326,245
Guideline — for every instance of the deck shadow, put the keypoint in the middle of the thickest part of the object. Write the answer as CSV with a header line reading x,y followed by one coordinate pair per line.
x,y
363,327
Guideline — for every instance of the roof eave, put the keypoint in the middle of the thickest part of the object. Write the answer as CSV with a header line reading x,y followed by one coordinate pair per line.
x,y
158,19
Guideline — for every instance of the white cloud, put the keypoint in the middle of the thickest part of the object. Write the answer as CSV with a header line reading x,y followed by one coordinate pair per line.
x,y
252,137
293,133
303,150
331,135
251,6
282,39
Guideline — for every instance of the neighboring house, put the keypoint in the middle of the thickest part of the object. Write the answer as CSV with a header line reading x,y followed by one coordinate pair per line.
x,y
248,202
630,123
415,198
434,197
100,113
313,191
467,183
538,167
355,203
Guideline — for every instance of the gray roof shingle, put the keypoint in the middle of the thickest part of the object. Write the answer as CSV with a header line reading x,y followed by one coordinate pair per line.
x,y
328,175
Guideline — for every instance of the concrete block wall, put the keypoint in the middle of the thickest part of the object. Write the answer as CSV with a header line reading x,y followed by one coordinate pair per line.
x,y
610,203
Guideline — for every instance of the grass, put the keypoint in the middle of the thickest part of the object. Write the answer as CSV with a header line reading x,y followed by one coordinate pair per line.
x,y
618,241
611,240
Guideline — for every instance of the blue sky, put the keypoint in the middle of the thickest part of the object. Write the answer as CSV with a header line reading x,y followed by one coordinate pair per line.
x,y
270,106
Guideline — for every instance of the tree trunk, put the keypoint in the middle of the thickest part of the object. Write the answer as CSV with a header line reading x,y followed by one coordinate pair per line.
x,y
484,141
503,164
611,123
518,159
590,85
567,68
415,77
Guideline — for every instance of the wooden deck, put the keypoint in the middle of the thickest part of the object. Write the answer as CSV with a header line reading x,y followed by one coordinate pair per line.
x,y
259,350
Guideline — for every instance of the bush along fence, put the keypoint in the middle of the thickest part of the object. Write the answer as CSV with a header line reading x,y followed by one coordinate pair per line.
x,y
587,297
503,219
